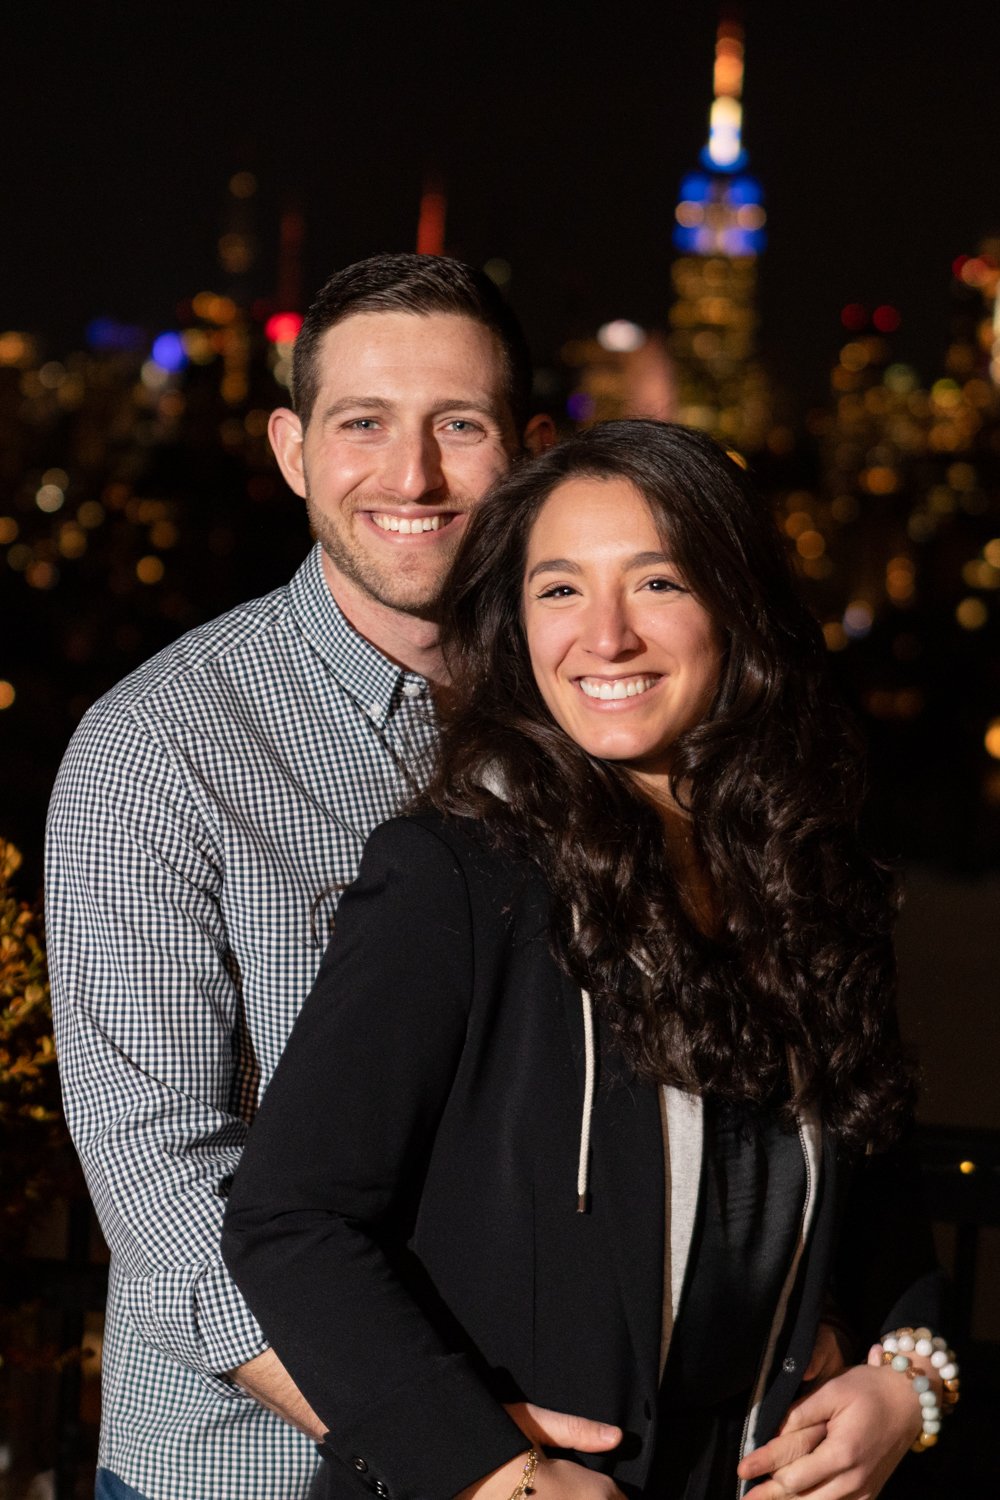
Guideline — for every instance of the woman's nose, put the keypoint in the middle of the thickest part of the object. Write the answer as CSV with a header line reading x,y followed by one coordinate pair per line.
x,y
608,631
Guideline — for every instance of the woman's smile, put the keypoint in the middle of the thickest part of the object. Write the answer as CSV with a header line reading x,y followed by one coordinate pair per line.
x,y
604,689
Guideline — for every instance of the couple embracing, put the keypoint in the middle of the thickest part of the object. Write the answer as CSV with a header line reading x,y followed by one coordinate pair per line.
x,y
579,1169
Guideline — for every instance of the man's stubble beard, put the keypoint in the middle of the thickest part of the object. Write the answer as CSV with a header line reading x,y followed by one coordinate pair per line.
x,y
393,590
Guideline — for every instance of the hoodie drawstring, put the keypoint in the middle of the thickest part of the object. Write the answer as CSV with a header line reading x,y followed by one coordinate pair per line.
x,y
583,1162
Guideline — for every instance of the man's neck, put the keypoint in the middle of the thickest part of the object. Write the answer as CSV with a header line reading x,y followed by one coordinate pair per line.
x,y
408,640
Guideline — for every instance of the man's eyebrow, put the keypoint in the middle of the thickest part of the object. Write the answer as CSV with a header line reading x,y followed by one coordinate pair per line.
x,y
480,406
566,564
485,408
354,403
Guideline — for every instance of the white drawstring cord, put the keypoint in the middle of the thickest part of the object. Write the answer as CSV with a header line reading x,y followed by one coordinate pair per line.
x,y
583,1164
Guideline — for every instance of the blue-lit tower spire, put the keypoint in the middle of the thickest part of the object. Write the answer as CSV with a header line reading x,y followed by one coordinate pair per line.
x,y
719,233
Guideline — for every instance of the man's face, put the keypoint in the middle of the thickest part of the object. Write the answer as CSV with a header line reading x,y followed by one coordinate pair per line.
x,y
410,427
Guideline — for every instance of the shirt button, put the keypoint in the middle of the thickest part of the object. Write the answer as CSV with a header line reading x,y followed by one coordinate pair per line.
x,y
381,1488
360,1465
788,1365
412,689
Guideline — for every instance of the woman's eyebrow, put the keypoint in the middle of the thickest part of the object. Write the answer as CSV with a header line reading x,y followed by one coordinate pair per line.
x,y
566,565
553,565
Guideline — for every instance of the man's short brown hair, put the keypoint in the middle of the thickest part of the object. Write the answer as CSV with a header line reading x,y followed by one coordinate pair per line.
x,y
418,284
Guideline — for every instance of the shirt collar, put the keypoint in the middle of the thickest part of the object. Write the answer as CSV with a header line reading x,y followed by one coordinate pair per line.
x,y
362,671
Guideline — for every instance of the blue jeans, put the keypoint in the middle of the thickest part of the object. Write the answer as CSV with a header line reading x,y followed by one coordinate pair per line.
x,y
109,1487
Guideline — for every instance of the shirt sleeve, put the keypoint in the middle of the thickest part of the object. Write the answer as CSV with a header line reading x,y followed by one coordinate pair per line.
x,y
147,1019
328,1188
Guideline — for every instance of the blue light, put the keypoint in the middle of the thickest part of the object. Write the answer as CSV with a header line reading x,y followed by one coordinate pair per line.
x,y
169,352
105,335
722,198
696,188
580,406
744,190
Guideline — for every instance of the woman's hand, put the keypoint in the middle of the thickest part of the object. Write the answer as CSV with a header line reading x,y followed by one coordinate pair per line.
x,y
554,1479
842,1441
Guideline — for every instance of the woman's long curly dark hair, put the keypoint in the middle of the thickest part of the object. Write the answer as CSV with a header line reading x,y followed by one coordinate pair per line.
x,y
801,954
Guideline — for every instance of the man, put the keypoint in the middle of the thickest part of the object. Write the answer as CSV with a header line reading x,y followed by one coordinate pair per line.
x,y
207,813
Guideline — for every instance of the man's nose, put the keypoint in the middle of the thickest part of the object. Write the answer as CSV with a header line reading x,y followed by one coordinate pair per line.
x,y
608,632
412,467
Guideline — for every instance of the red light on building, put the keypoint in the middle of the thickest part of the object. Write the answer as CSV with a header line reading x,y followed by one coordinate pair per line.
x,y
283,327
854,316
431,224
886,319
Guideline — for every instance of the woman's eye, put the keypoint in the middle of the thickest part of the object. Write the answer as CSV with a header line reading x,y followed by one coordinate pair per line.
x,y
558,591
664,586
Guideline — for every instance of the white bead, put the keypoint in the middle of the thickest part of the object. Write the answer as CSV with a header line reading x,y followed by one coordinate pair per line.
x,y
927,1398
906,1342
932,1427
939,1342
921,1333
921,1383
900,1362
890,1344
939,1358
923,1347
948,1372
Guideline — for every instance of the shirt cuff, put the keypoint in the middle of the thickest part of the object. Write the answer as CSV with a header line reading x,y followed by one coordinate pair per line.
x,y
196,1316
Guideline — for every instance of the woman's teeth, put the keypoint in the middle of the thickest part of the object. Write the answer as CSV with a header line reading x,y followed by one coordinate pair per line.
x,y
622,687
407,527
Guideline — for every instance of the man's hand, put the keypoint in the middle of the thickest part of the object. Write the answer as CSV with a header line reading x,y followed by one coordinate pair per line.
x,y
827,1356
842,1441
267,1381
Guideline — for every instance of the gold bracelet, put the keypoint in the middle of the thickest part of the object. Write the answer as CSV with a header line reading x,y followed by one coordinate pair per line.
x,y
527,1475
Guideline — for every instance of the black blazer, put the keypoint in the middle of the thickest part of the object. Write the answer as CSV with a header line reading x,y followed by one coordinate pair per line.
x,y
403,1223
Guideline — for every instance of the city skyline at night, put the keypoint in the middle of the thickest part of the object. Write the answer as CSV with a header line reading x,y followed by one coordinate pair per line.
x,y
560,145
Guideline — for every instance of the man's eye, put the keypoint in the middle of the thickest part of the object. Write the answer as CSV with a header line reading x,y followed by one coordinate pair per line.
x,y
464,427
363,424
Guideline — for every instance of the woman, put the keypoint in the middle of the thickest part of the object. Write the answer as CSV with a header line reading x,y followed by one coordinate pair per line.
x,y
590,1104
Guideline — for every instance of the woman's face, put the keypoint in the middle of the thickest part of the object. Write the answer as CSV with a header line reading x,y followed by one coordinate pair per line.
x,y
625,657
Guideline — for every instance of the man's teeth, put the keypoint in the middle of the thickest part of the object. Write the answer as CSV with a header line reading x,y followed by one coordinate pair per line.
x,y
407,527
622,687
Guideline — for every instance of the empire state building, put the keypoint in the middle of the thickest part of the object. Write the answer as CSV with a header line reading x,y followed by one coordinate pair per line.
x,y
719,233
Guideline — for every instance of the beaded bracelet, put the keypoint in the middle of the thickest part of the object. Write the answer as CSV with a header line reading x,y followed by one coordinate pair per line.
x,y
896,1350
527,1475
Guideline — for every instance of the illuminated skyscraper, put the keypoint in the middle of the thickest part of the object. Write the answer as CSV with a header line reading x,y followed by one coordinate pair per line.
x,y
720,233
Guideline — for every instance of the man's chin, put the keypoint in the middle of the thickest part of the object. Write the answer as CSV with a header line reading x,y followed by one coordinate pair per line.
x,y
418,601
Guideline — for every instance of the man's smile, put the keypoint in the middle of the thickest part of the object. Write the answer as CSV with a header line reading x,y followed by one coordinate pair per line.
x,y
411,525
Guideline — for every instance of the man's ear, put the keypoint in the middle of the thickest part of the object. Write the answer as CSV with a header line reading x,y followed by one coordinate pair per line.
x,y
539,434
285,431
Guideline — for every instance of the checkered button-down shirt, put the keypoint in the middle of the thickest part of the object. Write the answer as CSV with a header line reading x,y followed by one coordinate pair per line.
x,y
207,812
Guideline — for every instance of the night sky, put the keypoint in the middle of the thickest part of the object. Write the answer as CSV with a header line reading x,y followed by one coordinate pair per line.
x,y
561,132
